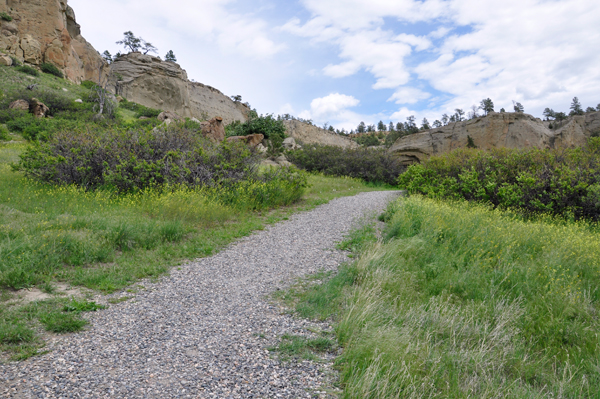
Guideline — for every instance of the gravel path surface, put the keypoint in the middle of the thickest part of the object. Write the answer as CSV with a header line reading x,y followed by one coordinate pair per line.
x,y
203,330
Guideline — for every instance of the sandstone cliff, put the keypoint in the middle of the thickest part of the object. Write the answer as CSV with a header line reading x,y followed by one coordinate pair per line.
x,y
508,130
309,134
164,85
46,31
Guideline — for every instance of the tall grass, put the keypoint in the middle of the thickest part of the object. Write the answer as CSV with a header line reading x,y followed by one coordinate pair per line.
x,y
460,301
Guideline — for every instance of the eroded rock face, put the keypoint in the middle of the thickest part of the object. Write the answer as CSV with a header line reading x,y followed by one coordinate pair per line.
x,y
214,129
46,31
149,81
309,134
38,108
497,130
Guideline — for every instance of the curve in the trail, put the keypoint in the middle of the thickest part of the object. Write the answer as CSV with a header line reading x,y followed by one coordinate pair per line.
x,y
203,330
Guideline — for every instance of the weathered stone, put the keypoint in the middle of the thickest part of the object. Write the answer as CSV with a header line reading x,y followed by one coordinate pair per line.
x,y
5,60
38,108
79,100
214,129
496,130
282,161
46,31
168,115
19,104
261,148
252,140
158,84
289,143
143,118
309,134
120,99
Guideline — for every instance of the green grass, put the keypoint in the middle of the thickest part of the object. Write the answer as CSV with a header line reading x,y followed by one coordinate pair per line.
x,y
107,242
459,301
301,347
13,79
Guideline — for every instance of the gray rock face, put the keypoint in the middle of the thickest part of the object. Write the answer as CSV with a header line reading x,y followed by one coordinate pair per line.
x,y
149,81
309,134
497,130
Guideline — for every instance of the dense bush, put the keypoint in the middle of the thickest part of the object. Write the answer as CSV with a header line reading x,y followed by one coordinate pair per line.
x,y
10,114
56,101
371,165
4,16
4,135
88,84
367,140
29,70
267,125
556,182
136,159
140,110
52,69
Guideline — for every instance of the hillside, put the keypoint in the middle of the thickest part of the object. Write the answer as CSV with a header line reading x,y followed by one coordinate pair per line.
x,y
497,130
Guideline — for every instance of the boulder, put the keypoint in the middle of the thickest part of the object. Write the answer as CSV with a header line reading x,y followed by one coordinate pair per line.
x,y
290,144
143,118
5,60
38,108
120,99
252,140
282,161
19,104
214,129
79,100
168,117
261,149
32,50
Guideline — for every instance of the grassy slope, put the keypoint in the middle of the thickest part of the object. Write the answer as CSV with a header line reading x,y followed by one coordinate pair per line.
x,y
460,301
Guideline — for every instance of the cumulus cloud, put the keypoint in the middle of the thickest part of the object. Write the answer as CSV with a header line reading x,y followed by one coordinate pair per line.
x,y
409,95
331,106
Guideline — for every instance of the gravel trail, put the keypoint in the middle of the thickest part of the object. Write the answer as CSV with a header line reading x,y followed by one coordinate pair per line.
x,y
202,331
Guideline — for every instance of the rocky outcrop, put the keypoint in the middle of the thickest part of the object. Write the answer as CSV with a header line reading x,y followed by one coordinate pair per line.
x,y
251,140
214,129
164,85
309,134
497,130
46,31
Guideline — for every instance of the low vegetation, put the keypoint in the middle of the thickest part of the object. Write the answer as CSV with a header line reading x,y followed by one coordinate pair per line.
x,y
370,165
562,183
463,301
272,128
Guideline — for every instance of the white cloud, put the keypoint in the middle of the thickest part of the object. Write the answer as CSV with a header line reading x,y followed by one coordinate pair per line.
x,y
331,106
409,95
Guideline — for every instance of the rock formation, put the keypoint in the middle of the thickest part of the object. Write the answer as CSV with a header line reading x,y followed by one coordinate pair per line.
x,y
164,85
508,130
251,140
46,31
214,129
309,134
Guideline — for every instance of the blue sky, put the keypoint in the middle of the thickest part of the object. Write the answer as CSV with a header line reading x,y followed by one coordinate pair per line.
x,y
346,61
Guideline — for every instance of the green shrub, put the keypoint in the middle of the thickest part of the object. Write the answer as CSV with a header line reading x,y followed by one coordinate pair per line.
x,y
5,16
52,69
15,61
10,114
136,159
267,125
371,165
88,84
139,109
18,125
557,182
29,70
367,140
4,135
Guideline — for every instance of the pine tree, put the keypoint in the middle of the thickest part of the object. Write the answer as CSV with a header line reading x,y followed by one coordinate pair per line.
x,y
518,107
170,56
487,105
576,108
